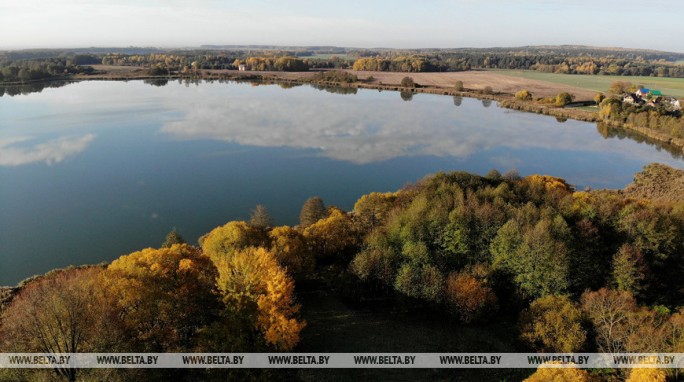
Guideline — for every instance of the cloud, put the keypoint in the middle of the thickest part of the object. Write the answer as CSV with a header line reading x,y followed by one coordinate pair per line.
x,y
50,152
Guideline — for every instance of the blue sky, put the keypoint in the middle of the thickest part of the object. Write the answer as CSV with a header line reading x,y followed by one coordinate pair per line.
x,y
395,24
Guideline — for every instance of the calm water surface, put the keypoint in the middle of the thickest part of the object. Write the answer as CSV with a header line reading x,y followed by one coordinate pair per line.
x,y
94,170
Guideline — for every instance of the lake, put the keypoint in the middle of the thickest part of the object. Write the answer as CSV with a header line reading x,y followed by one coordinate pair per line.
x,y
94,170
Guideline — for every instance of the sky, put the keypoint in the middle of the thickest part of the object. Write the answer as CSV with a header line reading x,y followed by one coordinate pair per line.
x,y
645,24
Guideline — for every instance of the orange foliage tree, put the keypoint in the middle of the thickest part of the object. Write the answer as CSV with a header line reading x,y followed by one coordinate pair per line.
x,y
64,311
252,283
469,297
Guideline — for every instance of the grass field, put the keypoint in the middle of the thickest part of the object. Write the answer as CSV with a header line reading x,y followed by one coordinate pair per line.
x,y
336,326
669,86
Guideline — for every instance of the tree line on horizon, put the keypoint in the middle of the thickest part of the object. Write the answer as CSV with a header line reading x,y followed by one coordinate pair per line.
x,y
25,66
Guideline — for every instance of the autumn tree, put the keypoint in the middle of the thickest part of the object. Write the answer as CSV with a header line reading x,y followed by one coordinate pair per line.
x,y
65,311
654,232
252,284
291,250
260,218
599,97
493,174
290,64
458,85
564,98
407,82
223,241
377,262
312,211
172,238
421,281
620,87
334,237
674,333
553,324
610,311
372,209
628,270
558,374
164,296
523,95
647,375
469,298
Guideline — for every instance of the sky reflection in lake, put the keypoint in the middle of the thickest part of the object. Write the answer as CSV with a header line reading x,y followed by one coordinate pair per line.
x,y
94,170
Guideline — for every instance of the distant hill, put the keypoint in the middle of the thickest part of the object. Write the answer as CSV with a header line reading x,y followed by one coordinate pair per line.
x,y
657,182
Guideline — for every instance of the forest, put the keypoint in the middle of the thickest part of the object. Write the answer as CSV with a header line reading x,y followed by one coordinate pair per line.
x,y
32,65
589,271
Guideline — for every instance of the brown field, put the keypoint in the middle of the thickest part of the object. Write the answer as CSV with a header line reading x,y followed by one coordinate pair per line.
x,y
478,80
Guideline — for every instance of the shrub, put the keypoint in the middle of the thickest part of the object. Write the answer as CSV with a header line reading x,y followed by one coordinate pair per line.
x,y
563,99
523,95
408,82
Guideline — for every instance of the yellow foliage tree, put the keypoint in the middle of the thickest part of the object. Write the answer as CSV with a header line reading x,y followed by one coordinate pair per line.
x,y
647,375
164,295
553,323
290,249
332,236
523,95
372,209
252,282
223,241
547,374
550,183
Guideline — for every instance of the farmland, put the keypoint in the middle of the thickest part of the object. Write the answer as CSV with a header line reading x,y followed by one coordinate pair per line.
x,y
669,86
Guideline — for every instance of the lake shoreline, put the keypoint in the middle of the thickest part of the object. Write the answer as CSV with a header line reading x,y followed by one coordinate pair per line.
x,y
503,99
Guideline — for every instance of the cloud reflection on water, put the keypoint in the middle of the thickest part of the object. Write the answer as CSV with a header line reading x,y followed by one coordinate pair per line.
x,y
371,129
13,152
